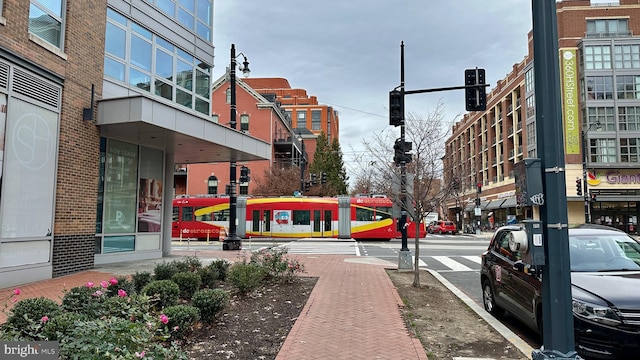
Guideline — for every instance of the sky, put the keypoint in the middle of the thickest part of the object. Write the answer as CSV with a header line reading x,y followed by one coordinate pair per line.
x,y
347,52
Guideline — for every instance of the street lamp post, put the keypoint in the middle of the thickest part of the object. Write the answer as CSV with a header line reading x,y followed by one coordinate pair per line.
x,y
303,165
232,241
585,188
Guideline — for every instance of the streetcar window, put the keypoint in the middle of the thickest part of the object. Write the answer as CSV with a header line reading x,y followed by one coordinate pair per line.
x,y
383,212
301,217
176,214
364,214
203,217
187,213
222,215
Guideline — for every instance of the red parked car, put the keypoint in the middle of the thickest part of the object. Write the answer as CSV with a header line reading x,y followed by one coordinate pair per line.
x,y
444,227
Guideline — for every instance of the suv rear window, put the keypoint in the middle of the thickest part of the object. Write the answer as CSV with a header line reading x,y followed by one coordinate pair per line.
x,y
448,223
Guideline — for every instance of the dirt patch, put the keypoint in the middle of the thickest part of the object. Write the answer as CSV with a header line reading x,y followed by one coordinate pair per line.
x,y
445,325
252,327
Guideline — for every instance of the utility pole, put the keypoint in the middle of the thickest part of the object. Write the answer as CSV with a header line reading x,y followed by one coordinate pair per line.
x,y
558,341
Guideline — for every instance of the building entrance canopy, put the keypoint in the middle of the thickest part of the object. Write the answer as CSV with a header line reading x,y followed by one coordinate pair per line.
x,y
190,138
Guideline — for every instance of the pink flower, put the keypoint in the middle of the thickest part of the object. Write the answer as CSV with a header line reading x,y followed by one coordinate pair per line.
x,y
164,319
89,284
16,292
97,293
14,300
113,281
44,319
104,284
140,354
122,293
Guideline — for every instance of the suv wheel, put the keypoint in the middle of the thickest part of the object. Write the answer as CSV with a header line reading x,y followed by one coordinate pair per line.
x,y
489,301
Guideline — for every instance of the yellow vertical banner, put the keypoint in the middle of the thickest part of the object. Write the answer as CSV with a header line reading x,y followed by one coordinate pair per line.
x,y
570,108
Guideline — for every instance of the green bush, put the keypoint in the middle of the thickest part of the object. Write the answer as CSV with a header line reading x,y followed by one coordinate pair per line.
x,y
82,299
141,279
190,264
222,267
279,267
165,270
61,325
117,338
121,283
208,277
30,311
182,318
209,302
162,293
188,282
246,277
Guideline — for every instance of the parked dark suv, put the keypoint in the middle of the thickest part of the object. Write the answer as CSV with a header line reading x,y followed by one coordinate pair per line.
x,y
605,287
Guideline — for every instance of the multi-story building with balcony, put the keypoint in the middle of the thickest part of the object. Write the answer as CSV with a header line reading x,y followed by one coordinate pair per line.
x,y
269,109
98,100
599,47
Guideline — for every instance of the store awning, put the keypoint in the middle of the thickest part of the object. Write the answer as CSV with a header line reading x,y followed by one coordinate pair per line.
x,y
509,203
495,204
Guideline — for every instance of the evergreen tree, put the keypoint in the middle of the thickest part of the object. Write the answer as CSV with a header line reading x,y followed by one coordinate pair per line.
x,y
328,158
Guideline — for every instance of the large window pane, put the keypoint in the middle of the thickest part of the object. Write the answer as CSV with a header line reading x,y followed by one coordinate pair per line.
x,y
164,64
141,53
184,98
114,69
204,11
121,182
203,82
163,89
44,25
167,6
116,41
140,79
184,77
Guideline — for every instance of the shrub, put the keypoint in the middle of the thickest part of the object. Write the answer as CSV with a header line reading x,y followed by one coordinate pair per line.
x,y
208,276
30,311
279,266
190,264
246,277
141,279
117,338
209,302
181,319
121,283
188,283
222,267
61,325
82,299
165,270
162,293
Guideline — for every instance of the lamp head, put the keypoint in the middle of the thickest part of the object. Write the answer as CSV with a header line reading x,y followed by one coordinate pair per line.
x,y
245,68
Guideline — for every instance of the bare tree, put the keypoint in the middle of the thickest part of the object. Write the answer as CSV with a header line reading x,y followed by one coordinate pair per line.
x,y
424,189
278,181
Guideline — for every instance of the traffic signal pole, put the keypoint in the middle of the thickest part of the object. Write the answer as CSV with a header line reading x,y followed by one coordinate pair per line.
x,y
475,101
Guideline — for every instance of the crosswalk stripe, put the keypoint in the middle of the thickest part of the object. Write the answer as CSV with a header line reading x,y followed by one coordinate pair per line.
x,y
476,259
451,264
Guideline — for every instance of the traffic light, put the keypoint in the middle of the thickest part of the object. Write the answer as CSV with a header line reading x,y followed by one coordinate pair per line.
x,y
401,152
244,174
323,178
314,179
579,186
396,108
307,186
479,188
475,97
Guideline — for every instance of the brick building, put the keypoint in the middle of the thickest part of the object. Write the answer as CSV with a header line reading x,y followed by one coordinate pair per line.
x,y
271,110
599,47
98,100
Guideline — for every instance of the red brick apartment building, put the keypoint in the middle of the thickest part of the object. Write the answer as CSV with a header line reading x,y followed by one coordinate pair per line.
x,y
599,48
98,101
269,109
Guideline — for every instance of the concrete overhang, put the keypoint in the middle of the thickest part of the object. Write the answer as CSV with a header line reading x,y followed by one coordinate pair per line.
x,y
190,138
